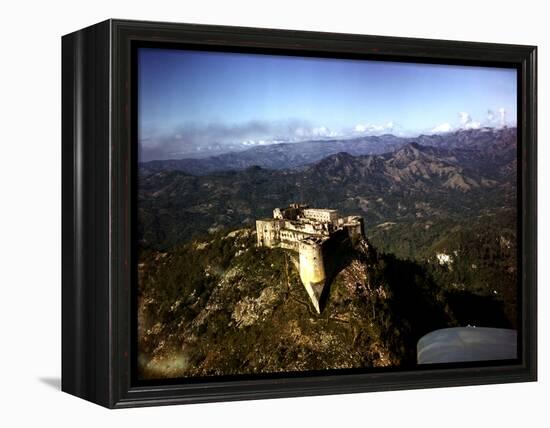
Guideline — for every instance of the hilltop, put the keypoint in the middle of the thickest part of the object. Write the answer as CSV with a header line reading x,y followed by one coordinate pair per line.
x,y
223,306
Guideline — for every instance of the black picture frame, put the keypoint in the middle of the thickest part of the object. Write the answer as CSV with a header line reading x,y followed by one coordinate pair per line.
x,y
99,162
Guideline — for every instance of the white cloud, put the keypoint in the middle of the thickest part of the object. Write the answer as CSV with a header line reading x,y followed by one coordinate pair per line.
x,y
372,129
316,132
502,113
496,119
472,125
464,118
323,131
467,122
440,129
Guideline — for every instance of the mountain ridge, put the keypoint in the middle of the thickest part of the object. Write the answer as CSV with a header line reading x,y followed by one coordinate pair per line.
x,y
299,154
412,183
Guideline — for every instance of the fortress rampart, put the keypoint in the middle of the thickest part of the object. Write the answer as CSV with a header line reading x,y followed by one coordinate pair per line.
x,y
307,231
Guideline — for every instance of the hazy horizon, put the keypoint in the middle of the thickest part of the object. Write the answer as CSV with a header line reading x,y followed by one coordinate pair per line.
x,y
242,148
198,104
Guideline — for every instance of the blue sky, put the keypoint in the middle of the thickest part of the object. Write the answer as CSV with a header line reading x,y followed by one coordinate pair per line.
x,y
199,103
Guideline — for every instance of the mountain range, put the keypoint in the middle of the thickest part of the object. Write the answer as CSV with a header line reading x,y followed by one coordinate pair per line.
x,y
440,220
467,174
293,155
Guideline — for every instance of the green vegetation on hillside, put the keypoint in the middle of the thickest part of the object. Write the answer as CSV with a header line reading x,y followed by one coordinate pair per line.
x,y
222,306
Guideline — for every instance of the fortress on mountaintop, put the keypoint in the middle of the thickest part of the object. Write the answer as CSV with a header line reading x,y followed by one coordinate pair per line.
x,y
311,232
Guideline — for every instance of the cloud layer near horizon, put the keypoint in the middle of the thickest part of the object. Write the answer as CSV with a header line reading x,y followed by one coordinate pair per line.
x,y
196,141
494,119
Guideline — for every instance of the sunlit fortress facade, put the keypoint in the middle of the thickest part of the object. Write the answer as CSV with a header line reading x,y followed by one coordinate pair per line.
x,y
308,232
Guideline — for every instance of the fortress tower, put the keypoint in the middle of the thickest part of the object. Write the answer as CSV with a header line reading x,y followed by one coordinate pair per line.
x,y
312,268
307,231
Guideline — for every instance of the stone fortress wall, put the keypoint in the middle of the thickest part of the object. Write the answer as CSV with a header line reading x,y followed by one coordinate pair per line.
x,y
306,231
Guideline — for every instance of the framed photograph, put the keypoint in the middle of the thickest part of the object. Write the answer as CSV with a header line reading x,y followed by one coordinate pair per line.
x,y
253,213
